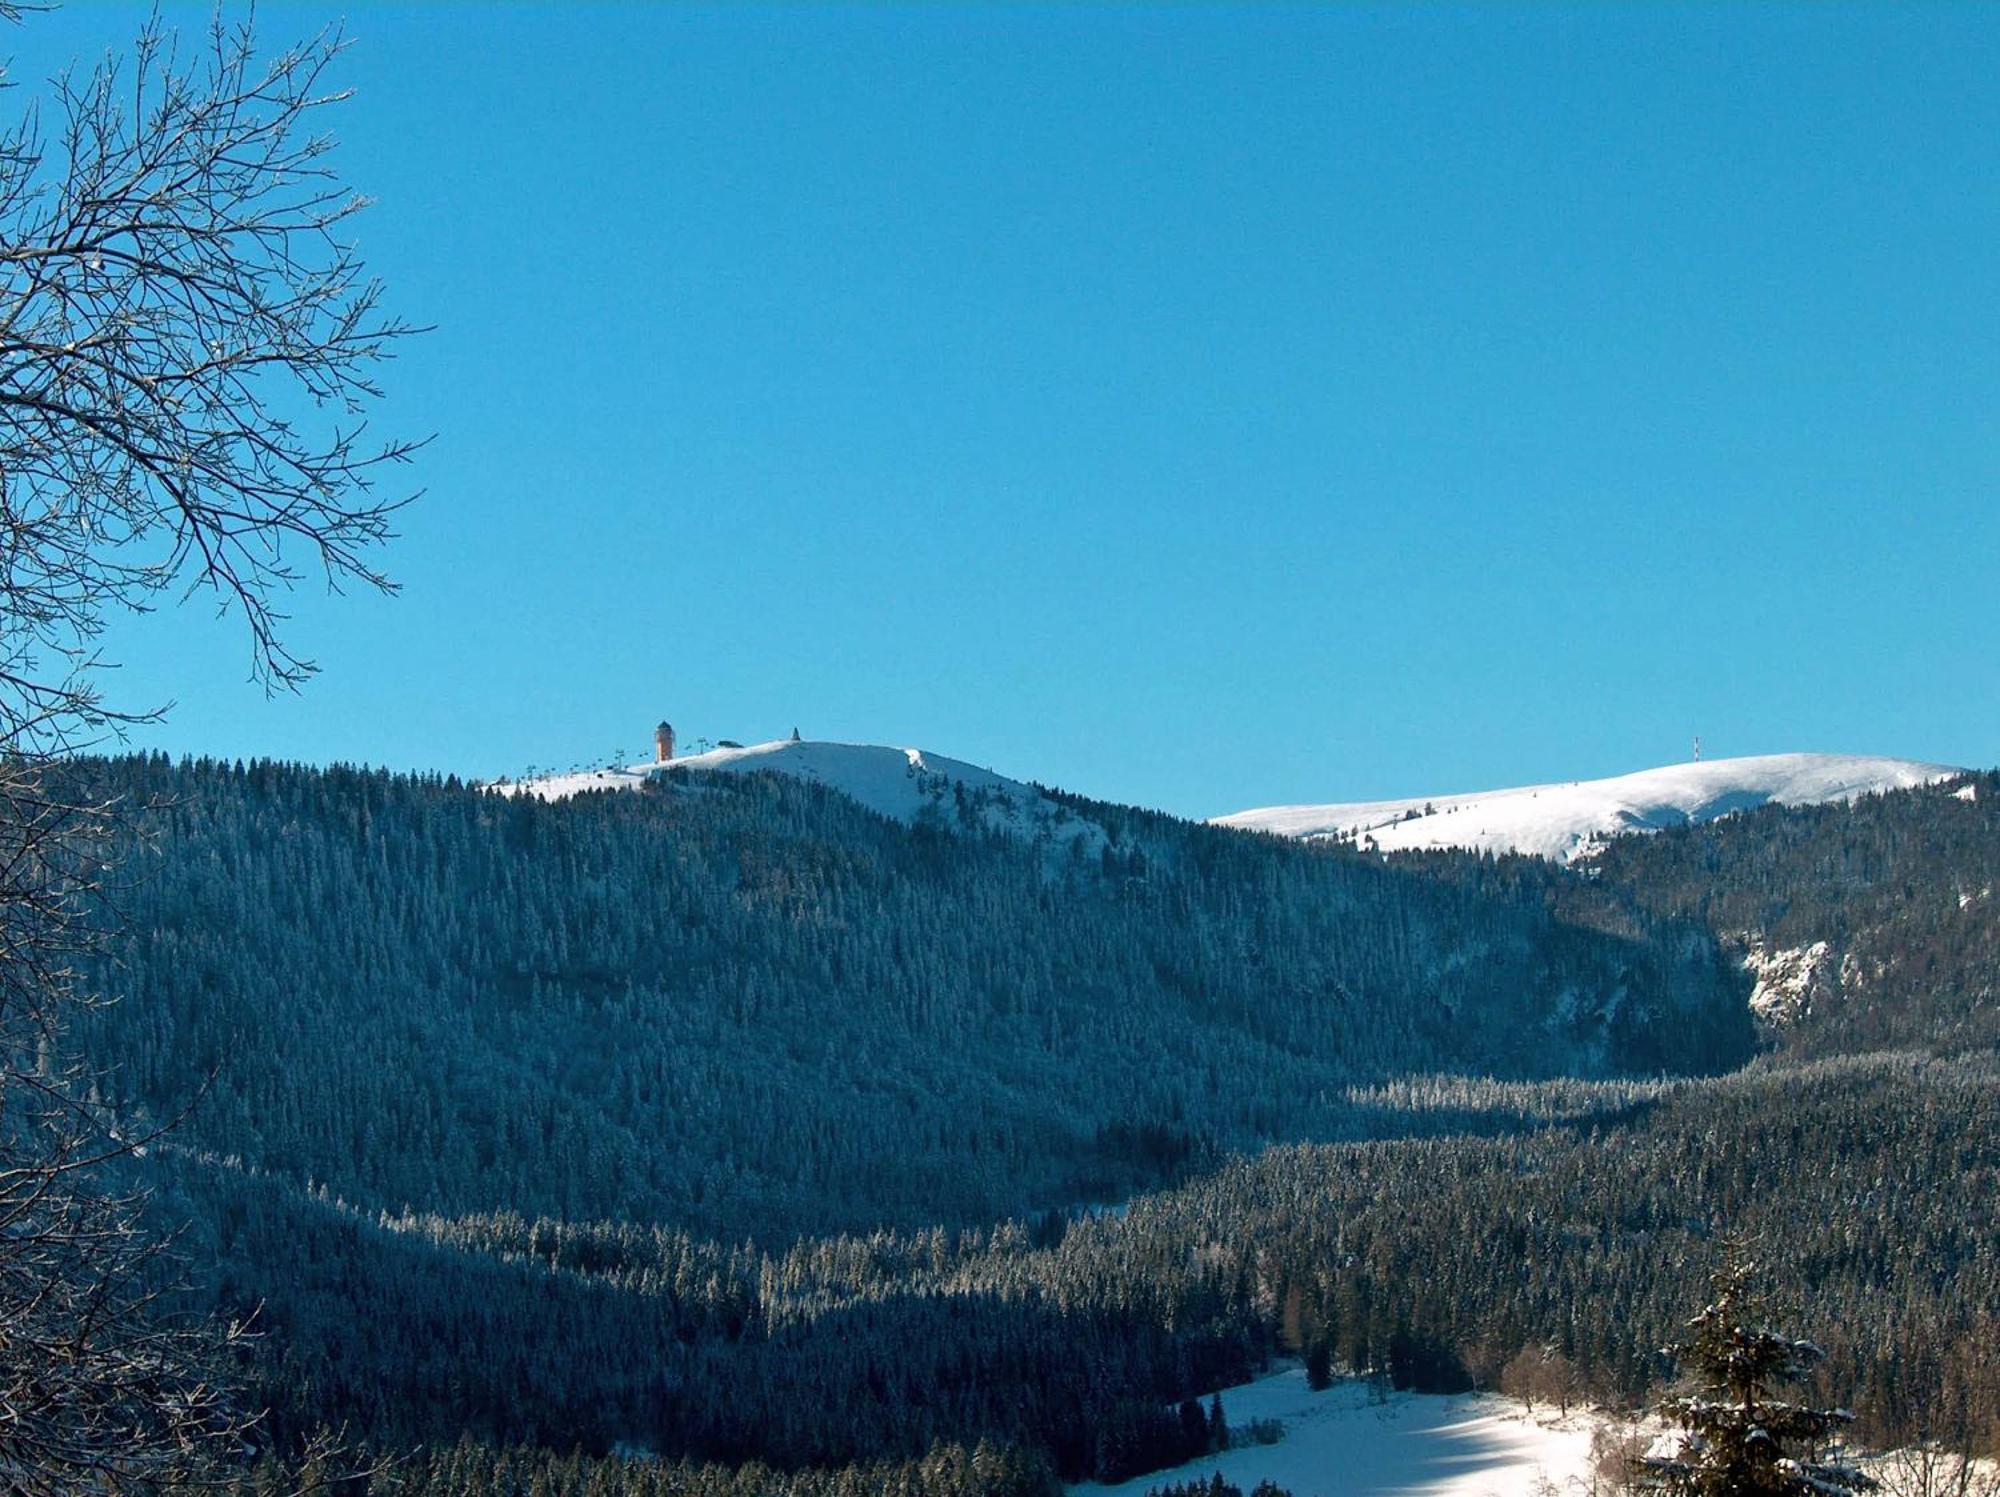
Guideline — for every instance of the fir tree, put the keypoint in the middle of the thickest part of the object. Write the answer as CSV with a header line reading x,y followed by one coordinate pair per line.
x,y
1319,1366
1740,1437
1194,1429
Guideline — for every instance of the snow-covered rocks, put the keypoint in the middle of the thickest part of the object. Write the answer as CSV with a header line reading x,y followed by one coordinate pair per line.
x,y
1790,981
1568,821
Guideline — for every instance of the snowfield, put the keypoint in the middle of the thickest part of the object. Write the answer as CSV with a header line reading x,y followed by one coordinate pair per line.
x,y
900,783
1343,1443
1564,822
1568,821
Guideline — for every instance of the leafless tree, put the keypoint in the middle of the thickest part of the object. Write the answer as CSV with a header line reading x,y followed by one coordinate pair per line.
x,y
1541,1374
188,345
1617,1460
1931,1469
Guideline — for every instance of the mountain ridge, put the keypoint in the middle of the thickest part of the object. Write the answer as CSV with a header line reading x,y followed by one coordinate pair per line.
x,y
1565,821
901,783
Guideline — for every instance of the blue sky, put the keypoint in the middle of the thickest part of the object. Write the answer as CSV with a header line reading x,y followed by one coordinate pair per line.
x,y
1196,407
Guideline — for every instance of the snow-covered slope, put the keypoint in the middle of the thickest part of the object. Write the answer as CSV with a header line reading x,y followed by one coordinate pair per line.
x,y
903,783
1349,1441
1565,822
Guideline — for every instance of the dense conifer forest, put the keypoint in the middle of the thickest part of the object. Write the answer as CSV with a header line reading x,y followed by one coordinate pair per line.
x,y
747,1006
1903,889
732,1124
1436,1261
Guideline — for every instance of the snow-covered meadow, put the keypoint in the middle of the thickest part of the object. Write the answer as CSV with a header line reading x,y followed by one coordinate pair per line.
x,y
1564,821
1351,1441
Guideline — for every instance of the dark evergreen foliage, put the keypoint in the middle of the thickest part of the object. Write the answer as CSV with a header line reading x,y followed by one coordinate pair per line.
x,y
503,1092
470,1469
1740,1436
1431,1260
1215,1486
749,1007
1903,888
1319,1364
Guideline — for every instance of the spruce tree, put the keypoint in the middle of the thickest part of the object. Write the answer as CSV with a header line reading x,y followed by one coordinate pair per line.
x,y
1319,1366
1741,1439
1194,1430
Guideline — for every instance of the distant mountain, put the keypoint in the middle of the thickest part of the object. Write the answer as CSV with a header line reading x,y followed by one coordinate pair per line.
x,y
1565,822
904,784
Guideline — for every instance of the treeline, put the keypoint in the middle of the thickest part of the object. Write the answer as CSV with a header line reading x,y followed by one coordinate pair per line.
x,y
473,1470
470,1469
749,1007
1436,1262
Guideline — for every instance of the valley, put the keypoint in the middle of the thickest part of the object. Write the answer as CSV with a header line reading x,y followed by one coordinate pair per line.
x,y
1269,418
719,1113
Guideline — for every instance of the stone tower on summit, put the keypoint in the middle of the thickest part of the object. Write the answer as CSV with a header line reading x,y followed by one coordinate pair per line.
x,y
663,743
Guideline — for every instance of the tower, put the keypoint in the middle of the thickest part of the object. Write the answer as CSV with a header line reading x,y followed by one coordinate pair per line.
x,y
663,743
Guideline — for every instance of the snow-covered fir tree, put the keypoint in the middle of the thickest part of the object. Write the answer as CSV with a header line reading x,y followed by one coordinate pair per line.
x,y
1740,1438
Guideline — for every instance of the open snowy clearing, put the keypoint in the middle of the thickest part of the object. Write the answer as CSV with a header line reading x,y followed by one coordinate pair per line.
x,y
1566,821
901,783
1343,1443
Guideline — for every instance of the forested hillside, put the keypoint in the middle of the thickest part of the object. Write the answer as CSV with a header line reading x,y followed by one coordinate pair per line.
x,y
744,1005
732,1122
1900,892
1437,1260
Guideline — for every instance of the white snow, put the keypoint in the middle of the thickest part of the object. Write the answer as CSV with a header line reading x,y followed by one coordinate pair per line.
x,y
1344,1443
1933,1469
901,783
1568,821
1791,980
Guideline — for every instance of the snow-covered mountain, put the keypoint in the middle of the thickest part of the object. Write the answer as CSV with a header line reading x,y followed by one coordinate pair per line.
x,y
902,783
1566,821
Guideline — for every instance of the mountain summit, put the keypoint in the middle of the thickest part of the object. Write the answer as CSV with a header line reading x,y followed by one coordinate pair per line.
x,y
904,784
1565,822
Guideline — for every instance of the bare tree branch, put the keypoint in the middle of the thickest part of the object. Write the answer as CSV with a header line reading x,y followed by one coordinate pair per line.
x,y
188,346
187,351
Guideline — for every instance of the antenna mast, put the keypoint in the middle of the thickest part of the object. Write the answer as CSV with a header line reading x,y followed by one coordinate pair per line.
x,y
1697,748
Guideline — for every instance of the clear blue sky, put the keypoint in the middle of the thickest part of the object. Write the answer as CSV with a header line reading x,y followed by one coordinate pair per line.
x,y
1196,407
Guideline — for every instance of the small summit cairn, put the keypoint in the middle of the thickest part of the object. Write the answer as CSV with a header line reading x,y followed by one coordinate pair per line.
x,y
663,743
